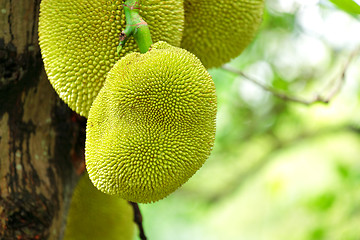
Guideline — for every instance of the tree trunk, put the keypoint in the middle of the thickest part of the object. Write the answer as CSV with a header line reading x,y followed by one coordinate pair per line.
x,y
41,139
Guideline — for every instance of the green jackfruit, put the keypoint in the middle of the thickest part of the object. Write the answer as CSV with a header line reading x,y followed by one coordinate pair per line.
x,y
78,40
152,126
94,215
218,30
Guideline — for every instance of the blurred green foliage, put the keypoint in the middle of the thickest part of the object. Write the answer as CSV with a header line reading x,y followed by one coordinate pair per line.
x,y
347,5
279,170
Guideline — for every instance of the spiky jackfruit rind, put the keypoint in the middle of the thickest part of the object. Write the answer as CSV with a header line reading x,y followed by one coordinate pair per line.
x,y
152,126
219,30
94,215
78,41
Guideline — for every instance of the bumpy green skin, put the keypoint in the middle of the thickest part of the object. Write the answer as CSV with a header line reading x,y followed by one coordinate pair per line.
x,y
152,126
78,40
94,215
218,30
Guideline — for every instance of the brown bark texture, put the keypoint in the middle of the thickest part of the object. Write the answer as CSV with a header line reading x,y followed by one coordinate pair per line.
x,y
41,139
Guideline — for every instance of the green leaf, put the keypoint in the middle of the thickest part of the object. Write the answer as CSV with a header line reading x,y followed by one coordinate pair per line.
x,y
323,202
347,5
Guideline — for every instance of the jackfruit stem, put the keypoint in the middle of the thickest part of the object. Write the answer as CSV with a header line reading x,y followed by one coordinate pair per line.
x,y
135,26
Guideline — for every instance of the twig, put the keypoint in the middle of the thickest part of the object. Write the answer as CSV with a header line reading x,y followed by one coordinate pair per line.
x,y
138,219
317,97
341,81
135,26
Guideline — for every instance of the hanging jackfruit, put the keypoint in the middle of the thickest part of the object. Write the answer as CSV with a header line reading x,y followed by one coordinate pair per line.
x,y
152,126
94,215
218,30
78,40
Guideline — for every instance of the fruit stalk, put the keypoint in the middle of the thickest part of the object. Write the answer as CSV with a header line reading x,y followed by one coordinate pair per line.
x,y
135,26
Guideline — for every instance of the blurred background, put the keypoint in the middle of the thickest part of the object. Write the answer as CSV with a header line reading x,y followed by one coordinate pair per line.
x,y
285,165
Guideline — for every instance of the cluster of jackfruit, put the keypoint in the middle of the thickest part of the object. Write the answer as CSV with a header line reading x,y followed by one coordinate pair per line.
x,y
94,215
151,117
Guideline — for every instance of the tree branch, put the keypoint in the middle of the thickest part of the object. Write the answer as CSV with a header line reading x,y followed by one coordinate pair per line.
x,y
318,98
138,219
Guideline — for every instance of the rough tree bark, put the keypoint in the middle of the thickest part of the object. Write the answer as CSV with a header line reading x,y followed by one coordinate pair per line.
x,y
41,139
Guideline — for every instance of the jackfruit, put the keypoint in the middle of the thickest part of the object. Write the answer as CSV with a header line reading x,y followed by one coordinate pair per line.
x,y
218,30
78,40
94,215
152,126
